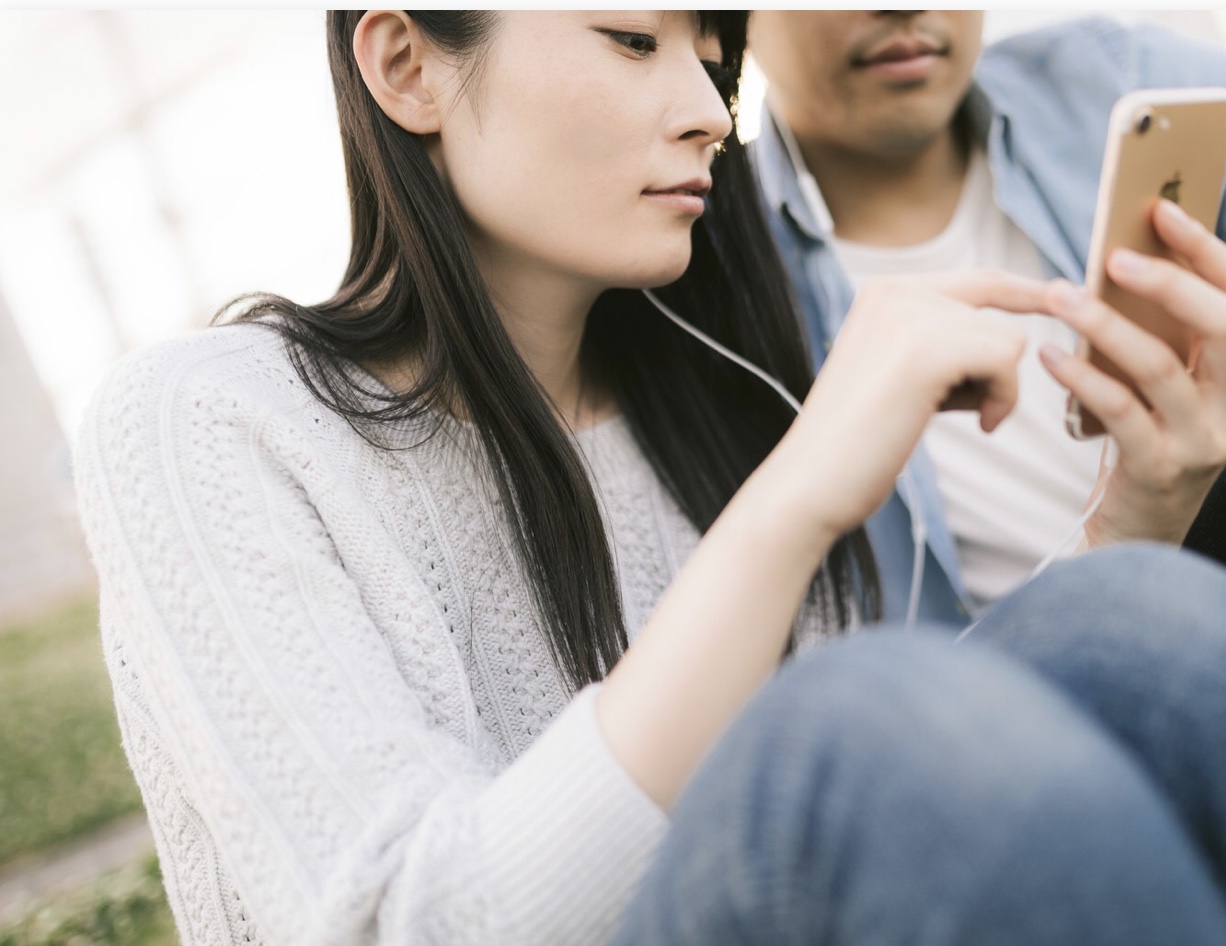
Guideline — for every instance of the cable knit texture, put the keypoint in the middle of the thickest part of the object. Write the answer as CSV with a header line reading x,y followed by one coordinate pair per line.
x,y
332,683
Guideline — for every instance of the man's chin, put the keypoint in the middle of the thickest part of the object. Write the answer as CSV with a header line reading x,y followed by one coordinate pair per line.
x,y
909,129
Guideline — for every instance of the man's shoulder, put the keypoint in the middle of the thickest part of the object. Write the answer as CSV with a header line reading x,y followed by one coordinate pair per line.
x,y
1099,52
1085,34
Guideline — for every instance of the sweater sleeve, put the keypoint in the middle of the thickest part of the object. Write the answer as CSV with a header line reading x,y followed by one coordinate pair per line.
x,y
277,742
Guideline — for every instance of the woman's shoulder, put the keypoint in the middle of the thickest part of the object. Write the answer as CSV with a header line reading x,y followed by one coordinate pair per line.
x,y
188,405
235,392
246,361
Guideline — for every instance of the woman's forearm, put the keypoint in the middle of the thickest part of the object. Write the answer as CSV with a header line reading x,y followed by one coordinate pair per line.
x,y
716,635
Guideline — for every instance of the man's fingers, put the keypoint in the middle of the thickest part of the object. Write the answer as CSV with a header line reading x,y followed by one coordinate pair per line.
x,y
1205,253
1147,361
1124,416
1187,296
1190,297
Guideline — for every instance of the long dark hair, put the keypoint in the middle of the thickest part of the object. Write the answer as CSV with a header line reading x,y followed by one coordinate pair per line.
x,y
412,287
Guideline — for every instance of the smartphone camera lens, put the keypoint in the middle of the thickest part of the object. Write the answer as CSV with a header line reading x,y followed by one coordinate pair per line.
x,y
1145,121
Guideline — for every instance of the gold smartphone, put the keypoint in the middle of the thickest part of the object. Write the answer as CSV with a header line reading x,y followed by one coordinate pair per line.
x,y
1161,143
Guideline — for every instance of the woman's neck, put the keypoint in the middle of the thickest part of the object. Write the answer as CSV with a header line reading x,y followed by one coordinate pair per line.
x,y
545,314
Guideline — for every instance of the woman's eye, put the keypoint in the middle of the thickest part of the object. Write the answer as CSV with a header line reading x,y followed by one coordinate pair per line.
x,y
641,44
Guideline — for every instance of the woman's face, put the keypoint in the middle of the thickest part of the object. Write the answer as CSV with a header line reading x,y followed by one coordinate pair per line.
x,y
583,144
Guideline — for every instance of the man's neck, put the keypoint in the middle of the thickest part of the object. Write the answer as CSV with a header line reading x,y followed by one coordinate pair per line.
x,y
889,201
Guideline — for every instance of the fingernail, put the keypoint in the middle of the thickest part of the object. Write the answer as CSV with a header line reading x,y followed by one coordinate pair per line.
x,y
1070,298
1127,263
1053,355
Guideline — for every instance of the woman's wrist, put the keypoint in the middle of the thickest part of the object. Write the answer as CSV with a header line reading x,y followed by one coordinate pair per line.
x,y
789,507
717,634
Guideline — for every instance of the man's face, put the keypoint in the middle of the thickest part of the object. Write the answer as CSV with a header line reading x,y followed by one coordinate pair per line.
x,y
883,84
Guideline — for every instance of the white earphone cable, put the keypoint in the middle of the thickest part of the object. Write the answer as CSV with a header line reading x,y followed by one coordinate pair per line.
x,y
918,526
919,545
919,530
1111,455
730,355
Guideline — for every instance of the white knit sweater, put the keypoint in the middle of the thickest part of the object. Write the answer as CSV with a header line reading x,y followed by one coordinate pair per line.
x,y
331,681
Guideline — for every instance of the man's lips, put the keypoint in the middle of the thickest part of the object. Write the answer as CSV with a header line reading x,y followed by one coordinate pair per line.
x,y
902,58
900,47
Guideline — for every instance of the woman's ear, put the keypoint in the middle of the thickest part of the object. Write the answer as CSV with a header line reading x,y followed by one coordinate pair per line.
x,y
399,68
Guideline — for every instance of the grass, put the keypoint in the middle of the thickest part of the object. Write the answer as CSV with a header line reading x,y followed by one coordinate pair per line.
x,y
63,772
62,775
123,908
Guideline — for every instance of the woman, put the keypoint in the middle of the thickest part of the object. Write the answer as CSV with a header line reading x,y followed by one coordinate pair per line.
x,y
369,567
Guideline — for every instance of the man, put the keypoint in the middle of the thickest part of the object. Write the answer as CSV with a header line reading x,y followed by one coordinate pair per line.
x,y
891,145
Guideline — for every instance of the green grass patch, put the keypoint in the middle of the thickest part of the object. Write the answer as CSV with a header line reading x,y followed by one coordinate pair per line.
x,y
123,908
62,770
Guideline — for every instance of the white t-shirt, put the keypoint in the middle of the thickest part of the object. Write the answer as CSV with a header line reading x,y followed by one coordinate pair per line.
x,y
1012,496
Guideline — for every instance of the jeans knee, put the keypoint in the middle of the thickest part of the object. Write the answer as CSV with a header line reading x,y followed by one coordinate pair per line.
x,y
1151,602
905,776
860,700
1143,585
889,720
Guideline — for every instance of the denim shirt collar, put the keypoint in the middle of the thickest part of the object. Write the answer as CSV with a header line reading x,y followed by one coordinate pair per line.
x,y
780,174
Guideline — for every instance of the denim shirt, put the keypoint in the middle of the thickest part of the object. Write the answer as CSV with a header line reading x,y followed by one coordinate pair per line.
x,y
1039,105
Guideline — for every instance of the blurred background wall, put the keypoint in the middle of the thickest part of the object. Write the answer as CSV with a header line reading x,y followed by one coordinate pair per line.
x,y
41,557
156,164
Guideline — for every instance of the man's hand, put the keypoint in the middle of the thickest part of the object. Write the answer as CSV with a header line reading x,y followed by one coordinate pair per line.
x,y
1171,452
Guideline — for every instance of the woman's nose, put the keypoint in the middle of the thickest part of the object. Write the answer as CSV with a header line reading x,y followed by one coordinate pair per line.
x,y
700,113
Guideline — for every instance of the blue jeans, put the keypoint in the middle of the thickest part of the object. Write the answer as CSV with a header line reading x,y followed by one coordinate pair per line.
x,y
1059,777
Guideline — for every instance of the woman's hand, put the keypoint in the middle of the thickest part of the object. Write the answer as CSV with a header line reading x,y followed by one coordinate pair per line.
x,y
1170,452
909,347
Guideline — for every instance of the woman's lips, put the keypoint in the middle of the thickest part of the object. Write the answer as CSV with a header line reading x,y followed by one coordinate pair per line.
x,y
685,201
686,197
